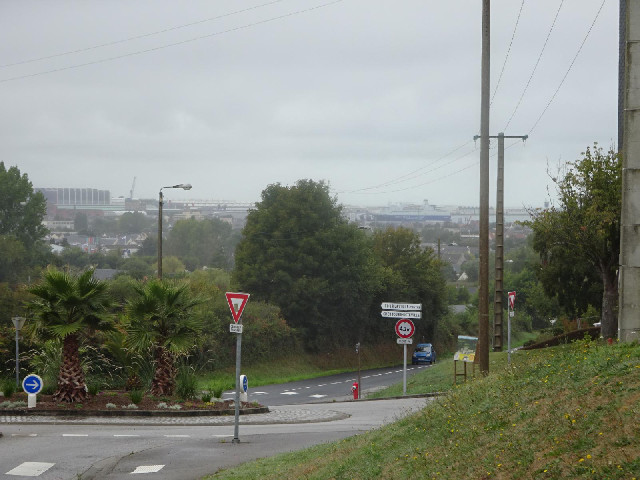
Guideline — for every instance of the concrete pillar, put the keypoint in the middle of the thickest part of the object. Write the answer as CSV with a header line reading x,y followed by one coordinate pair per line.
x,y
629,273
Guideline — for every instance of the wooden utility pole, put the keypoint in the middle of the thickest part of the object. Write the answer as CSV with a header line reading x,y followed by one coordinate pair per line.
x,y
483,276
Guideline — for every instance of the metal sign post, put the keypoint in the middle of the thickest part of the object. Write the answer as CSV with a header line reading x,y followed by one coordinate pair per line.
x,y
237,302
512,304
404,330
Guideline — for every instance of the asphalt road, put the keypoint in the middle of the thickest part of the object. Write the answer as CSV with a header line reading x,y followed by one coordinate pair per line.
x,y
326,389
176,452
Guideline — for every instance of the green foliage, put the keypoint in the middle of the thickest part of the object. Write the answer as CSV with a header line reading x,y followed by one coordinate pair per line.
x,y
94,388
67,304
186,383
21,229
209,242
160,314
135,396
579,241
8,387
298,252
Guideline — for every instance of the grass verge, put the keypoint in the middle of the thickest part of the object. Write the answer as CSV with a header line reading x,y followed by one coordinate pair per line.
x,y
565,412
303,366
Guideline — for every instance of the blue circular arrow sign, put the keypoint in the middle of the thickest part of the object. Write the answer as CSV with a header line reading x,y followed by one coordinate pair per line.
x,y
32,383
245,383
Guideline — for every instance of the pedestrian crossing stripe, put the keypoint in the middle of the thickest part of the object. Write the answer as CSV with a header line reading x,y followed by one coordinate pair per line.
x,y
30,469
148,469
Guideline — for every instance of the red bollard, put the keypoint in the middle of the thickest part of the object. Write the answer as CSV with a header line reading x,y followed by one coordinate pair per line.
x,y
354,389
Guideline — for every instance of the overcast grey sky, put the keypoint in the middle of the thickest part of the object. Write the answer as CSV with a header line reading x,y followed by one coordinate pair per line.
x,y
370,95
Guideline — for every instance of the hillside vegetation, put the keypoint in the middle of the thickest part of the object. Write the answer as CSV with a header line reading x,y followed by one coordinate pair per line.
x,y
565,412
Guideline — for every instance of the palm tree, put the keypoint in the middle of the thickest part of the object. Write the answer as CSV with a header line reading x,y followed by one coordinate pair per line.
x,y
67,306
159,319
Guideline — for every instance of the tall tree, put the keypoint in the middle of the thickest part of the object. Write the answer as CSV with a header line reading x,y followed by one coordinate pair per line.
x,y
67,307
210,242
300,254
582,234
21,229
416,276
161,319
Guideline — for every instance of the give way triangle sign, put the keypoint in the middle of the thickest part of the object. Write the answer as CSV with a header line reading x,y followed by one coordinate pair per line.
x,y
236,302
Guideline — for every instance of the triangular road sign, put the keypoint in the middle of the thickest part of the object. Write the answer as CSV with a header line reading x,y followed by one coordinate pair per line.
x,y
236,302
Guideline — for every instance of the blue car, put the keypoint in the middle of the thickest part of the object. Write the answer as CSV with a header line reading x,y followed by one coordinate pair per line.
x,y
424,353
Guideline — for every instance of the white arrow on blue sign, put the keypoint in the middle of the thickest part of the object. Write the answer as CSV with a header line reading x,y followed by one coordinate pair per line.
x,y
32,383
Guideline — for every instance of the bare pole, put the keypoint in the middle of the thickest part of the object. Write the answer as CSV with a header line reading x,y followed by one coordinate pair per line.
x,y
483,295
160,198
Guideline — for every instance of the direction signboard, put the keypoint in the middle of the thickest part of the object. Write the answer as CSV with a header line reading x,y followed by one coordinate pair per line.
x,y
395,314
237,302
32,384
404,341
401,306
405,328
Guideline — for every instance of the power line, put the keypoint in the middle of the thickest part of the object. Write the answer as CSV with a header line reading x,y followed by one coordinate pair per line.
x,y
137,37
174,44
535,67
404,178
569,69
513,35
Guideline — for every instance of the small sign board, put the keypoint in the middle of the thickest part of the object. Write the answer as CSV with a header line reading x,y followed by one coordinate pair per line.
x,y
235,328
397,314
237,302
401,306
244,383
404,341
405,328
512,300
32,384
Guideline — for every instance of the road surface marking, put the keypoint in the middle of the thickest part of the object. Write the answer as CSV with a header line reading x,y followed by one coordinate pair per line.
x,y
288,393
259,393
125,435
75,434
322,385
317,395
148,469
24,434
177,436
30,469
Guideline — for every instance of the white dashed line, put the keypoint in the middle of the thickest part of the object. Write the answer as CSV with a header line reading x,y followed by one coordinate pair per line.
x,y
317,396
75,435
24,434
177,436
30,469
148,469
126,435
288,393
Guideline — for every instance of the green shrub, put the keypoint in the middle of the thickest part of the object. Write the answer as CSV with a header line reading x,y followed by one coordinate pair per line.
x,y
8,386
206,396
135,396
94,388
186,383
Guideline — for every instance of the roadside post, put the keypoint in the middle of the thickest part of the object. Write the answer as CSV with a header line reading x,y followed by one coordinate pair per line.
x,y
32,384
18,322
512,304
358,352
237,302
405,329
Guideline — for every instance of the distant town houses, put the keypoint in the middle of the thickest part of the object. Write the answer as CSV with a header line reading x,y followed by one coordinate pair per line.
x,y
64,205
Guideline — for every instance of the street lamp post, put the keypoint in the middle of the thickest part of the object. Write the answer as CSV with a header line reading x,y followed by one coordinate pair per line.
x,y
184,186
18,322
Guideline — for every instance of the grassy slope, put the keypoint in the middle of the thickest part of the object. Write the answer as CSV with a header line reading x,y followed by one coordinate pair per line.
x,y
564,412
